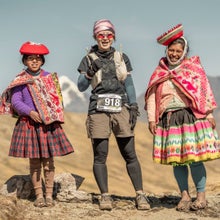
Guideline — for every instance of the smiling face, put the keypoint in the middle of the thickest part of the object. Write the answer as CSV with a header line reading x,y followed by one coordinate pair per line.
x,y
175,52
104,40
33,62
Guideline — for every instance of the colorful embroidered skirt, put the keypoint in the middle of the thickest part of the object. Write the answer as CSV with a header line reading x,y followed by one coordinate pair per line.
x,y
182,139
34,140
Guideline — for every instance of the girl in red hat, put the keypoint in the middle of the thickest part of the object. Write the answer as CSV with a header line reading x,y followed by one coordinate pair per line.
x,y
35,97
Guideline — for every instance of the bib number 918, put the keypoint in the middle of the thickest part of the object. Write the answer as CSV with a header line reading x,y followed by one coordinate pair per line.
x,y
112,102
109,103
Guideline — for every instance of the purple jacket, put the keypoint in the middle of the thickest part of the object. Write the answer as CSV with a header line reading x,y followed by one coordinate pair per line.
x,y
21,100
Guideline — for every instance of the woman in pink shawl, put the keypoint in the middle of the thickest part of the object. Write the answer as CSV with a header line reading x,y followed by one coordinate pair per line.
x,y
179,104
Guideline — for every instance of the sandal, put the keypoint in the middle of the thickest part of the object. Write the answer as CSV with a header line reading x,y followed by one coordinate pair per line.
x,y
184,205
39,202
49,202
196,205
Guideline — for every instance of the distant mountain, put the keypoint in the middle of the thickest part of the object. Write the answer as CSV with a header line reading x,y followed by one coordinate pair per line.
x,y
74,100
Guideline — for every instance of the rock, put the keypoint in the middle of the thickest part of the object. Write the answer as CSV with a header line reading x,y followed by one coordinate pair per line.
x,y
19,186
73,196
68,180
65,188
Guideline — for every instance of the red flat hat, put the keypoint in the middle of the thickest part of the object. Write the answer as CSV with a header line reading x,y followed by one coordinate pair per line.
x,y
33,48
171,35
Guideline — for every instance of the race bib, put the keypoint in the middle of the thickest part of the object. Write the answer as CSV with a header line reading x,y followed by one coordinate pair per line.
x,y
109,103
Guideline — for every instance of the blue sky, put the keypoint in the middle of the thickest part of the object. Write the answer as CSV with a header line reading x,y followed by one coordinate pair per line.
x,y
65,26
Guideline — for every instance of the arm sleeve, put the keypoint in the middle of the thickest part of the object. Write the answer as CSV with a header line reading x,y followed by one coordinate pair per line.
x,y
130,90
83,82
17,101
129,85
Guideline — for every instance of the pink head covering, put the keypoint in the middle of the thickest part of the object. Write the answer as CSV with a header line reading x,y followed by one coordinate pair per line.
x,y
103,25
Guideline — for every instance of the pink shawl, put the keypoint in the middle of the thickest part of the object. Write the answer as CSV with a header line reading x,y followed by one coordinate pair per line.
x,y
45,92
191,79
5,100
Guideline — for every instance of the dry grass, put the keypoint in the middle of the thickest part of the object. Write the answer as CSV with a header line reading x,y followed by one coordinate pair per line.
x,y
156,178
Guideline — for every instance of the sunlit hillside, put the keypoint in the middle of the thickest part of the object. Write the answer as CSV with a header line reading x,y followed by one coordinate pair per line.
x,y
157,178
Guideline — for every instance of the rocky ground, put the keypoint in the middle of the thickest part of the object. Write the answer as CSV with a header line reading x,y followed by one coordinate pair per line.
x,y
162,208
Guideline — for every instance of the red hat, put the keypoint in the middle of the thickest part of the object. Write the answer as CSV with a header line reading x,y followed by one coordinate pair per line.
x,y
33,48
171,35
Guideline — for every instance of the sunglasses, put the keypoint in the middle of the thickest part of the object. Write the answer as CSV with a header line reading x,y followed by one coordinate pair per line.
x,y
102,36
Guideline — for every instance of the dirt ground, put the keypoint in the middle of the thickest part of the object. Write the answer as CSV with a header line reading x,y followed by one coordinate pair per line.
x,y
162,208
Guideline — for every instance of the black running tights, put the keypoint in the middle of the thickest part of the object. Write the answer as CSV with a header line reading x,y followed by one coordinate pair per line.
x,y
127,150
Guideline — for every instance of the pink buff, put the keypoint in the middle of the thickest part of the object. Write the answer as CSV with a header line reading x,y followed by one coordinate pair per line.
x,y
102,25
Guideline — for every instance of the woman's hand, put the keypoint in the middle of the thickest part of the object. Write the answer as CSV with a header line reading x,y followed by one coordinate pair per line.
x,y
35,116
212,122
152,127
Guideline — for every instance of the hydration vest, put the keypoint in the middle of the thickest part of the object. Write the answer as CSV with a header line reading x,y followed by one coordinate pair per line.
x,y
121,70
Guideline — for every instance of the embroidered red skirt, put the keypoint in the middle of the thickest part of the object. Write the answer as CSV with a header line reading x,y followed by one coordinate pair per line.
x,y
34,140
182,139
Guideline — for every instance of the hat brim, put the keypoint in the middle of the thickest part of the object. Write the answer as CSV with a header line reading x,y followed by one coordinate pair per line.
x,y
171,35
28,48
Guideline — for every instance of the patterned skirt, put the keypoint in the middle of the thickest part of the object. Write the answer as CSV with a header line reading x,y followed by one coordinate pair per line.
x,y
34,140
182,139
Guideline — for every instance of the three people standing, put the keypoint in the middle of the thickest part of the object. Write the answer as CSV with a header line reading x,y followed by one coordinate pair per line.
x,y
178,100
